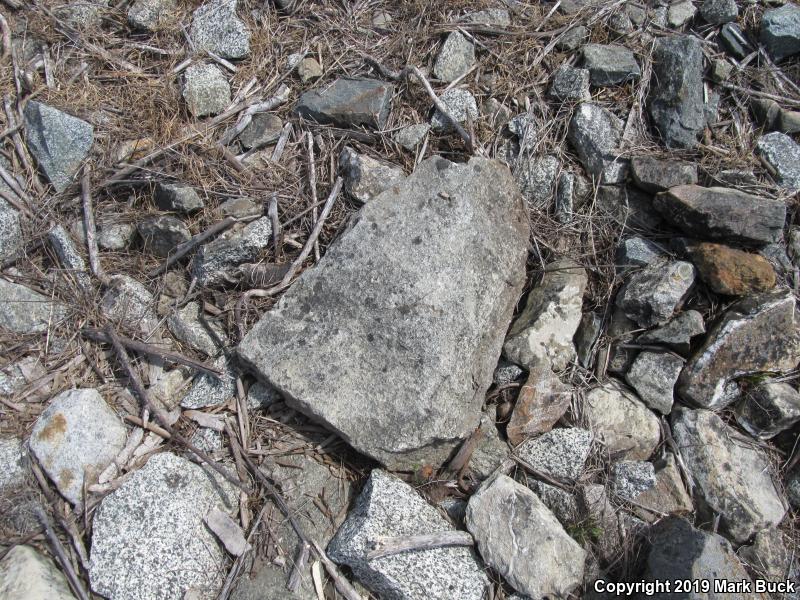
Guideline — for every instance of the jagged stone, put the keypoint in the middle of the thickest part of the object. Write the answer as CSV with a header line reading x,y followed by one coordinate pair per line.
x,y
178,198
128,301
718,12
570,83
651,296
366,177
262,130
628,206
768,408
610,64
572,39
27,575
656,175
115,236
410,136
309,70
637,252
771,559
586,336
506,373
630,478
734,41
508,522
382,280
206,90
559,453
151,15
782,153
25,311
461,106
536,176
653,376
216,28
677,333
668,496
163,234
210,390
541,402
455,58
732,476
680,13
215,263
757,334
12,464
69,257
780,30
490,451
596,135
197,332
560,502
348,103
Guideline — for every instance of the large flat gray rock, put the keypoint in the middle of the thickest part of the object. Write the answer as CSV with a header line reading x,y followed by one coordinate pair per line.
x,y
27,575
755,335
732,475
59,142
348,102
519,536
26,311
150,541
392,339
388,507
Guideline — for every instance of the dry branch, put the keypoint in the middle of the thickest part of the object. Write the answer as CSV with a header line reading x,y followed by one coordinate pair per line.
x,y
187,247
90,228
61,554
425,541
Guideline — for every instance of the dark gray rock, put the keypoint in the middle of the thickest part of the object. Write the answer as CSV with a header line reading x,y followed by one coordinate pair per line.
x,y
394,338
59,142
586,336
676,103
506,373
559,453
509,521
610,64
651,296
366,177
656,175
637,252
782,153
718,12
677,334
734,41
536,176
723,214
162,234
721,70
755,335
628,206
732,475
629,430
570,83
171,496
25,311
572,39
348,102
679,552
630,478
262,130
780,31
680,13
411,136
215,263
175,197
206,90
596,135
621,330
216,28
69,258
565,197
388,507
653,376
151,15
765,112
620,22
768,408
460,104
455,58
793,488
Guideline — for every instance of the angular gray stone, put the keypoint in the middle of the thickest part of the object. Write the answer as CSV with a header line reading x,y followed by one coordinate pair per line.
x,y
206,90
610,64
128,301
780,31
261,396
651,296
309,70
490,451
636,252
596,135
149,540
115,236
25,311
82,15
676,103
723,214
630,478
210,390
199,333
366,177
562,504
518,536
602,522
718,12
565,197
388,507
585,337
536,176
348,102
410,136
677,333
496,17
27,575
772,559
175,197
656,175
262,130
679,552
768,408
559,453
542,401
570,83
456,57
782,153
151,15
755,335
12,463
59,142
542,333
69,258
240,208
460,104
721,70
506,373
653,376
668,496
793,488
215,263
572,39
76,433
162,234
680,13
734,41
11,242
216,28
732,475
377,312
629,430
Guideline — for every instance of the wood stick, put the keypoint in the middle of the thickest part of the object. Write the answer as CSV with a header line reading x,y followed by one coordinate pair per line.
x,y
312,183
282,141
425,541
272,211
196,240
280,97
342,585
6,33
61,554
90,227
20,148
757,94
300,563
161,416
150,350
148,426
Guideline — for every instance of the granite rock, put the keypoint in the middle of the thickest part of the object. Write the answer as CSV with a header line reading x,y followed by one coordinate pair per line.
x,y
596,135
455,58
163,234
768,408
570,83
461,106
780,30
718,12
668,496
559,453
782,153
216,28
206,90
651,296
179,198
348,103
215,262
27,575
630,478
151,15
653,376
658,175
610,64
366,177
26,311
677,333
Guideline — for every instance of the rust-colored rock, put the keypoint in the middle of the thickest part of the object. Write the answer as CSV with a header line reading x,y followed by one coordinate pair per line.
x,y
732,272
542,401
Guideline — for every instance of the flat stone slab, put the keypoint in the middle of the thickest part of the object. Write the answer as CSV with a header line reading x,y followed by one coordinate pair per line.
x,y
348,102
26,311
77,435
388,507
378,342
59,142
149,539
